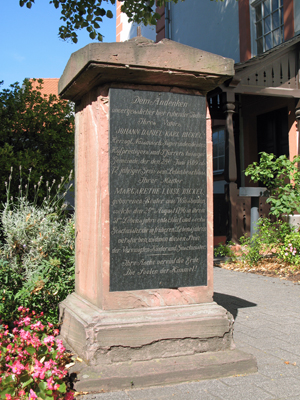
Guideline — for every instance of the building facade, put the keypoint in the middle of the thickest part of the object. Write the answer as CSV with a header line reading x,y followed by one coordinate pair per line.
x,y
255,111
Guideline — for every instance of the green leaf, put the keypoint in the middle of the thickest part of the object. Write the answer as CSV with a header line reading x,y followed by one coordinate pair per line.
x,y
25,377
9,390
109,14
7,380
62,388
153,21
31,350
43,386
54,353
100,12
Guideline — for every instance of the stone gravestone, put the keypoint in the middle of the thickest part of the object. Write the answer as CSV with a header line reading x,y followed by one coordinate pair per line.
x,y
142,312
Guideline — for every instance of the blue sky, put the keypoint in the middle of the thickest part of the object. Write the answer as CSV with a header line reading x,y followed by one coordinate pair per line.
x,y
30,46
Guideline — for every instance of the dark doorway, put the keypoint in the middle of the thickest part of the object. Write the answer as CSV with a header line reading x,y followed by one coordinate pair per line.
x,y
272,132
220,215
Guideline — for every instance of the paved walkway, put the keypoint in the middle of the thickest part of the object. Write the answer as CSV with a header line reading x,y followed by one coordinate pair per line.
x,y
267,324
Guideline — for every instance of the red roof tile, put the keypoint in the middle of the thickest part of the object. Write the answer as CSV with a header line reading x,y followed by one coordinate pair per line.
x,y
50,85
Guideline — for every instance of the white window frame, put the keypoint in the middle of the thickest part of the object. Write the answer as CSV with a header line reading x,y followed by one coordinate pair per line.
x,y
253,25
218,129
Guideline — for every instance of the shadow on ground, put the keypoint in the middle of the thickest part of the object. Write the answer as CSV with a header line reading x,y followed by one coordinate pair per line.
x,y
232,303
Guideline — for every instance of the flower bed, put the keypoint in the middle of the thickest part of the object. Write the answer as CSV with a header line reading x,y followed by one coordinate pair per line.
x,y
274,250
32,360
268,266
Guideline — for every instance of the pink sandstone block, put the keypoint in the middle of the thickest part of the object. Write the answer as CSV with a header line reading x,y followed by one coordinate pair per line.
x,y
92,214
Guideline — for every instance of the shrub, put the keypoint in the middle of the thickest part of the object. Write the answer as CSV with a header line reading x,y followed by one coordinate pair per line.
x,y
281,177
32,360
37,255
271,238
226,250
267,240
290,248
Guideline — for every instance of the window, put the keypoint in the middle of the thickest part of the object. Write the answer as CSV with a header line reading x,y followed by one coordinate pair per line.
x,y
268,24
297,17
218,138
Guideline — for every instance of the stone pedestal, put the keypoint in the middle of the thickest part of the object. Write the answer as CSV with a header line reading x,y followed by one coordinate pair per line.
x,y
143,309
151,346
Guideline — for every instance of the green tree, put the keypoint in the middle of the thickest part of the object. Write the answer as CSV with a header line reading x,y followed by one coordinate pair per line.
x,y
90,13
36,131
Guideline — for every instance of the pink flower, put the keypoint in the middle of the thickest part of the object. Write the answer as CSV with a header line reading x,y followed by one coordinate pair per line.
x,y
32,395
60,346
49,339
37,326
69,396
8,397
39,370
26,321
51,385
25,335
50,382
49,364
17,367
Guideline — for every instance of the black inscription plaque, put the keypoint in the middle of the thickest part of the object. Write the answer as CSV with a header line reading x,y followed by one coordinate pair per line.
x,y
158,212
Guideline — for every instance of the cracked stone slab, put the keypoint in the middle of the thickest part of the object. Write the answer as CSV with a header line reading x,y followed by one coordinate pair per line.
x,y
164,371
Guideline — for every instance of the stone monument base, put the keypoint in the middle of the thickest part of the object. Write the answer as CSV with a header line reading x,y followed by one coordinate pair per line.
x,y
150,346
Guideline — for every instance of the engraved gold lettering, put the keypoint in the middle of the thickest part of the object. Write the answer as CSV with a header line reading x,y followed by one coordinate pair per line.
x,y
144,121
